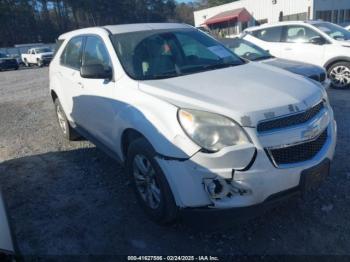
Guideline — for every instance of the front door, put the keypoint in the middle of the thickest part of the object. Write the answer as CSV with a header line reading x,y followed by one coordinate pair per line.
x,y
95,107
297,45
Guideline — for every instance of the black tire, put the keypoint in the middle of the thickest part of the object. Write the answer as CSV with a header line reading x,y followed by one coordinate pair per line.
x,y
40,63
167,211
26,64
68,132
337,68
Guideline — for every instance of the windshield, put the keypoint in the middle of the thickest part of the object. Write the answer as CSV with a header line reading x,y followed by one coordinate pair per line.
x,y
246,49
334,31
42,50
157,54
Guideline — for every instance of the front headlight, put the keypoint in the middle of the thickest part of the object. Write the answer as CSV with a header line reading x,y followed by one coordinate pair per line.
x,y
211,131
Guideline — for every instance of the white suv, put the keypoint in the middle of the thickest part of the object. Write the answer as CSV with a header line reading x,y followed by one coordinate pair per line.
x,y
195,125
315,42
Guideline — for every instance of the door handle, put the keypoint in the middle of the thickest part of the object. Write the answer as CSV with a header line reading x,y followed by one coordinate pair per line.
x,y
80,84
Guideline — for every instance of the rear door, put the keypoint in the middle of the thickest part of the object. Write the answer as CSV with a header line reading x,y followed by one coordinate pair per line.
x,y
296,45
267,38
69,75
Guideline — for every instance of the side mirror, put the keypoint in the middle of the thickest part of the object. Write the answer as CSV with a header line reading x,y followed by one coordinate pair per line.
x,y
339,38
317,40
96,71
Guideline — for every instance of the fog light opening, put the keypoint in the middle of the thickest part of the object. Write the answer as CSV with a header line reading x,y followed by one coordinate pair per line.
x,y
220,188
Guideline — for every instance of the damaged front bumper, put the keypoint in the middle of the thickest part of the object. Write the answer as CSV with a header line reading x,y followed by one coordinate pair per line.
x,y
236,177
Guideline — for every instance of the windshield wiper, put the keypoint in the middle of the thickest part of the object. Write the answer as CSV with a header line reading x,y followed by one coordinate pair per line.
x,y
161,76
263,58
218,66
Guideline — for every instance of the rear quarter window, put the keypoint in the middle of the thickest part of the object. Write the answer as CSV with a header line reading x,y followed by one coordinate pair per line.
x,y
272,34
59,43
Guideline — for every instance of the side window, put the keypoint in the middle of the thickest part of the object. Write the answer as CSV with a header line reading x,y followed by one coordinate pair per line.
x,y
95,52
71,55
299,34
272,34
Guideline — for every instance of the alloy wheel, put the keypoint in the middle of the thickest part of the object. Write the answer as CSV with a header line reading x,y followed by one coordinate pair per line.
x,y
145,180
340,76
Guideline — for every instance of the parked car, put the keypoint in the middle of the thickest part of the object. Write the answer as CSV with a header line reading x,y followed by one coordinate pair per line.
x,y
7,62
7,250
39,56
204,29
252,52
195,125
18,59
315,42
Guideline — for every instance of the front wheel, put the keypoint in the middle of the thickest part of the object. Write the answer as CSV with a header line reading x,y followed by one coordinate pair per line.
x,y
339,74
149,182
26,63
40,63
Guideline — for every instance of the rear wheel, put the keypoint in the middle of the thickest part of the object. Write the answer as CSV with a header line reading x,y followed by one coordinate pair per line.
x,y
339,74
68,132
149,182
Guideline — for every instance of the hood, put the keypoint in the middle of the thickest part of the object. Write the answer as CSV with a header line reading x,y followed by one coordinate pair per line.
x,y
295,67
248,93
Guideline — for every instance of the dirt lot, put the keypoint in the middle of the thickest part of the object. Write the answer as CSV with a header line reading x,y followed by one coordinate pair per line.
x,y
70,198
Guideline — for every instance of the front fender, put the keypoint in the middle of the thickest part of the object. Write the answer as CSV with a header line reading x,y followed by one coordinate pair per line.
x,y
336,59
162,130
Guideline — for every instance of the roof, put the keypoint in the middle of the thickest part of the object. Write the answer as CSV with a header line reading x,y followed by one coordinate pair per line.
x,y
311,22
119,29
241,14
125,28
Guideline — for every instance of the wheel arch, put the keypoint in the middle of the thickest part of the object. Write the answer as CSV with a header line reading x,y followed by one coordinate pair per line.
x,y
129,135
54,96
335,60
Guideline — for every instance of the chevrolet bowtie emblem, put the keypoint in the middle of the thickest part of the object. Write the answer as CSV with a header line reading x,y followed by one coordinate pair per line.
x,y
311,132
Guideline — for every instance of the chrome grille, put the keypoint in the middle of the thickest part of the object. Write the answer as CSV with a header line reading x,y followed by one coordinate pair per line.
x,y
290,120
298,153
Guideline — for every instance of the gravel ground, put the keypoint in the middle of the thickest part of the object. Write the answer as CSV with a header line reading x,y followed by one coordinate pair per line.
x,y
70,198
